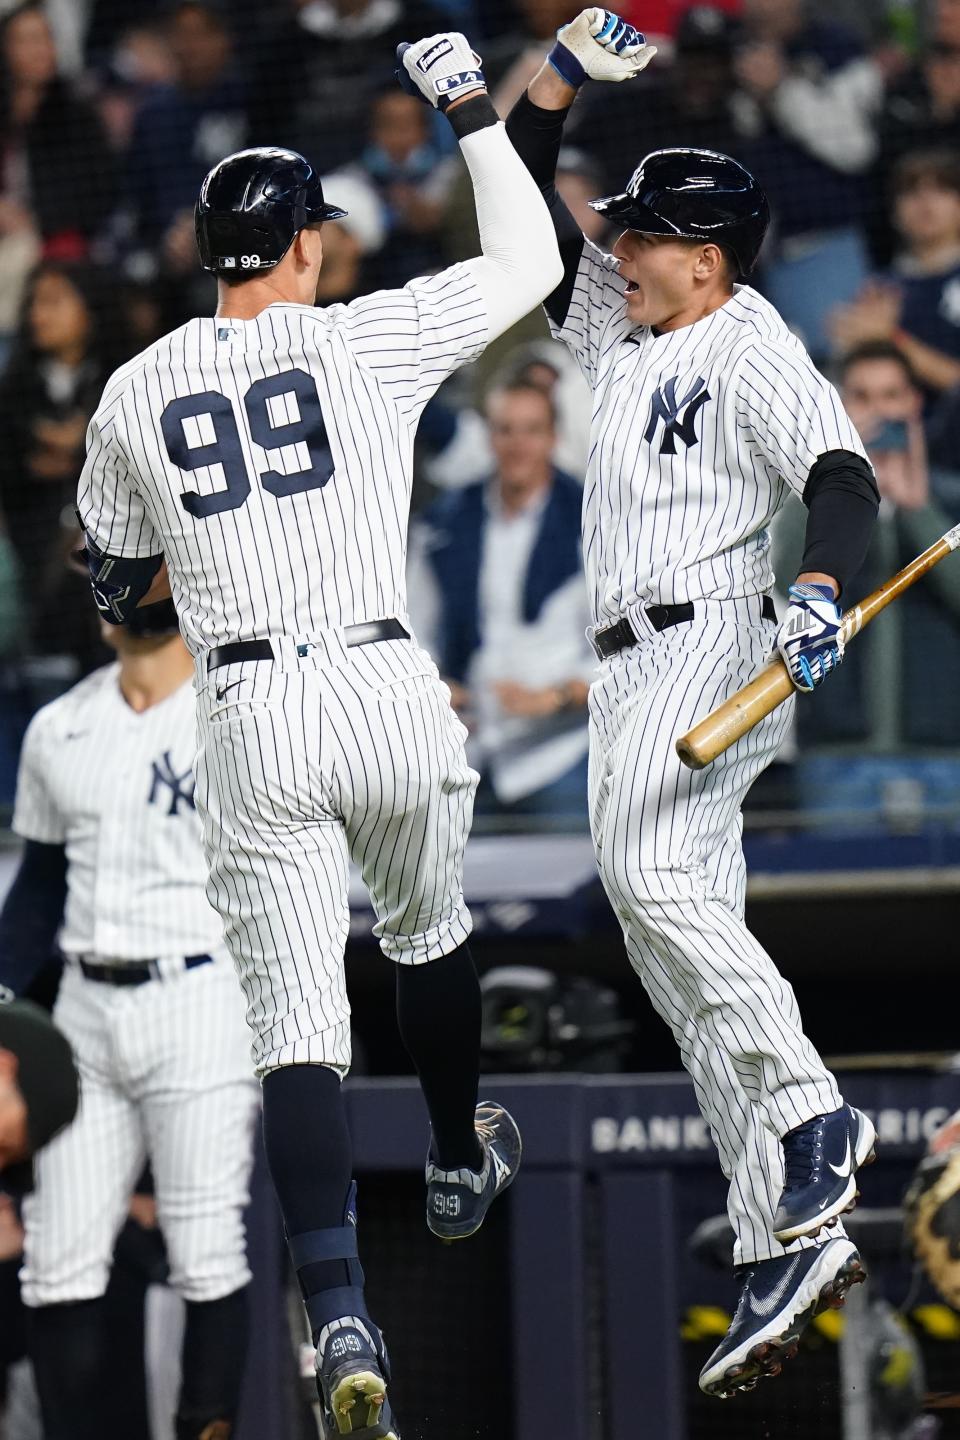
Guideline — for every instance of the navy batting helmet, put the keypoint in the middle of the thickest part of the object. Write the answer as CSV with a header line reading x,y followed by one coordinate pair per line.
x,y
251,206
697,194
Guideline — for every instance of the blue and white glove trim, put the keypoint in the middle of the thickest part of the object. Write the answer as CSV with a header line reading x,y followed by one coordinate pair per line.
x,y
574,56
810,639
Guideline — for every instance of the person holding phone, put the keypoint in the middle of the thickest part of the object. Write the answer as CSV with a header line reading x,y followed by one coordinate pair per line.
x,y
881,698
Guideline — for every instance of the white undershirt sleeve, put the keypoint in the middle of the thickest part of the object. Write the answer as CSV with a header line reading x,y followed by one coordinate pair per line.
x,y
520,265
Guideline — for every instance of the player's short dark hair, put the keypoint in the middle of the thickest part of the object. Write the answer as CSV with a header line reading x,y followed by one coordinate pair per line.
x,y
937,167
876,350
518,385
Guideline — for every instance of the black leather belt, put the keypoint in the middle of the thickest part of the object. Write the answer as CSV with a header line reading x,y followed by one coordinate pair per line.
x,y
368,632
135,974
621,636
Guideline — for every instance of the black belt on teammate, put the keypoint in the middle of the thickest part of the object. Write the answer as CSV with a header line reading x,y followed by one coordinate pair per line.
x,y
621,636
369,632
137,974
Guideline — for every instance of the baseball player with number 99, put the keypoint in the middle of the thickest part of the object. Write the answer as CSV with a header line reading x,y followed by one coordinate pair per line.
x,y
707,413
260,462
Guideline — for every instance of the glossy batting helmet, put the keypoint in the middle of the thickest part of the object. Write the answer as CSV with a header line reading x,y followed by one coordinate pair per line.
x,y
697,194
252,205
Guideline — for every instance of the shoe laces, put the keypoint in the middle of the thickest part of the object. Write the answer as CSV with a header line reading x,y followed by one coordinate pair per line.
x,y
486,1131
802,1155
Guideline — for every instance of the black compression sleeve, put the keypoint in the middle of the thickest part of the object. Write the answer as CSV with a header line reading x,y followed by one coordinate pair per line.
x,y
842,497
536,135
32,913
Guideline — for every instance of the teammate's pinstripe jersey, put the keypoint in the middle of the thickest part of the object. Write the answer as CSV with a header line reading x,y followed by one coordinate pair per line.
x,y
115,786
270,460
697,436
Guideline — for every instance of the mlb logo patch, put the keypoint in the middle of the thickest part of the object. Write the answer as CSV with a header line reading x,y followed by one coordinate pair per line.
x,y
228,262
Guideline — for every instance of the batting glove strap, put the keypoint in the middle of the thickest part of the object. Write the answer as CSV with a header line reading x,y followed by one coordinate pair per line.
x,y
599,45
440,69
810,640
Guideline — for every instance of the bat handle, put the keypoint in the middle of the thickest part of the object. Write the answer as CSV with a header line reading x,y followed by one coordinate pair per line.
x,y
736,716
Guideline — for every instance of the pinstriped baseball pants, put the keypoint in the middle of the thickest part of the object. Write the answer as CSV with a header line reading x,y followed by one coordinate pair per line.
x,y
303,765
668,845
164,1075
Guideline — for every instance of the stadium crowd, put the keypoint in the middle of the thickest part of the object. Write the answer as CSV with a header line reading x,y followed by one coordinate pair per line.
x,y
112,111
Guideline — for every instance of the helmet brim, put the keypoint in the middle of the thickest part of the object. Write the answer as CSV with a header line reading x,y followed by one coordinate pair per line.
x,y
329,212
633,214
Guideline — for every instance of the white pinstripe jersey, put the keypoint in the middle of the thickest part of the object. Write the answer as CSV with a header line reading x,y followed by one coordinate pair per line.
x,y
697,436
271,459
115,786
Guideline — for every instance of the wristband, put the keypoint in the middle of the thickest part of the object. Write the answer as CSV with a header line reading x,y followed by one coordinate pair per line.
x,y
477,112
567,66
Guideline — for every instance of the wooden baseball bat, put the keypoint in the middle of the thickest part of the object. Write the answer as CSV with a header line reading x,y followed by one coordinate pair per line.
x,y
725,725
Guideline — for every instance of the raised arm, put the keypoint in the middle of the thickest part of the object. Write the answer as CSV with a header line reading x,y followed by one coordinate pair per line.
x,y
520,263
596,45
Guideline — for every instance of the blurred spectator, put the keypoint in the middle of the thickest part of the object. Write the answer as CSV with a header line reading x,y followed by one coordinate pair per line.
x,y
919,306
688,102
57,166
511,614
578,182
185,128
457,440
111,21
664,18
321,68
140,62
348,242
511,60
69,343
922,109
882,698
412,177
808,95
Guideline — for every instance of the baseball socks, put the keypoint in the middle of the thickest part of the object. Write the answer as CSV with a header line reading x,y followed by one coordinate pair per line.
x,y
439,1014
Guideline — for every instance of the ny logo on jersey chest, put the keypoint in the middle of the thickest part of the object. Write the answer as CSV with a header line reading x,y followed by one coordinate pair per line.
x,y
667,408
169,788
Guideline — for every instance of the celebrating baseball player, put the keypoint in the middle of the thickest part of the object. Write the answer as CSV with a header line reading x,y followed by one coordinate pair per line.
x,y
707,412
262,459
149,1002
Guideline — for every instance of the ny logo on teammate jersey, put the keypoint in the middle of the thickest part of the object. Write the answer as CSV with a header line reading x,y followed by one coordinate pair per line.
x,y
667,407
168,785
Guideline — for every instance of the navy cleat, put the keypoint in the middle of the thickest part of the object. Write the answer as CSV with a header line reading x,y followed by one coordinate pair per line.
x,y
458,1200
778,1300
352,1375
822,1158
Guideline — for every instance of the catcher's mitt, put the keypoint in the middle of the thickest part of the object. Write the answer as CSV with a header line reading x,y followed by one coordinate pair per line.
x,y
932,1211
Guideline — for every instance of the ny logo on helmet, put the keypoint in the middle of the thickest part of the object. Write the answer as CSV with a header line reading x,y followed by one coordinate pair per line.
x,y
668,408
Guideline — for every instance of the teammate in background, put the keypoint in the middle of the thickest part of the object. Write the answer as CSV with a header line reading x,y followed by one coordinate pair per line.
x,y
149,1003
265,455
706,412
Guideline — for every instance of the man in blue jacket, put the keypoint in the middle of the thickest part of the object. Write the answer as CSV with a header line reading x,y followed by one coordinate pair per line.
x,y
504,558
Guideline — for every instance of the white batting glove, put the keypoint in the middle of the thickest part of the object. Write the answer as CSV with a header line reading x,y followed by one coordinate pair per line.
x,y
598,45
810,639
440,69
